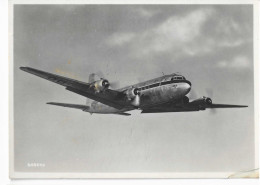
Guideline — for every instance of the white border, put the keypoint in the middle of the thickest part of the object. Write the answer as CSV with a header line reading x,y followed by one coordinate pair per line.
x,y
4,92
133,2
256,82
11,92
19,175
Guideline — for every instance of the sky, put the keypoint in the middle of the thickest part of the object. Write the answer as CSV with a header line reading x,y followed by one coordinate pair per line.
x,y
212,46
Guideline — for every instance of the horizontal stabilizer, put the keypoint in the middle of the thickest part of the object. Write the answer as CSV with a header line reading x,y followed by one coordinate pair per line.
x,y
76,106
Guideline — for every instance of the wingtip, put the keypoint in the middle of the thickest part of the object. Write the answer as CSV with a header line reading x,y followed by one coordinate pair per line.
x,y
24,68
53,103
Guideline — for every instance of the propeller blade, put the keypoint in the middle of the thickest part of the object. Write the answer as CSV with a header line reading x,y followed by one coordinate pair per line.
x,y
136,100
209,92
100,74
114,85
192,95
91,78
94,77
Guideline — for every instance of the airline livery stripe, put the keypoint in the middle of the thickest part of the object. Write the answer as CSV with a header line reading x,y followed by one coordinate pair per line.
x,y
162,83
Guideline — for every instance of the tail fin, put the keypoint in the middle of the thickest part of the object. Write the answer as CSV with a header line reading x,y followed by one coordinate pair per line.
x,y
76,106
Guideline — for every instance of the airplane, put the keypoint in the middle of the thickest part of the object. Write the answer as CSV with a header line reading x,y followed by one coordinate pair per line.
x,y
167,93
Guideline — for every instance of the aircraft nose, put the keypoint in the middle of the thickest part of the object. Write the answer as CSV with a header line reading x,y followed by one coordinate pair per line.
x,y
187,87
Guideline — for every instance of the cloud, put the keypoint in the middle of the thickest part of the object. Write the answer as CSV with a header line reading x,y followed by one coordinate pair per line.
x,y
228,43
171,35
200,32
118,39
228,26
145,13
184,28
175,33
238,62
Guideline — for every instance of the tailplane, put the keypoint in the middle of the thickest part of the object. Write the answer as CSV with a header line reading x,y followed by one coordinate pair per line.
x,y
76,106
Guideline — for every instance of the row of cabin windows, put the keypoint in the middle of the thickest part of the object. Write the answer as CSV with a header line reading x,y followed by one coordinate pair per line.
x,y
162,83
150,86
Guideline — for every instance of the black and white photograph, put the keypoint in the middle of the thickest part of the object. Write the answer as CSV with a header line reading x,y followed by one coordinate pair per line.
x,y
133,90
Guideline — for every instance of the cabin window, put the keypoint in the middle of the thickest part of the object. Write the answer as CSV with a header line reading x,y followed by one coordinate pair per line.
x,y
153,85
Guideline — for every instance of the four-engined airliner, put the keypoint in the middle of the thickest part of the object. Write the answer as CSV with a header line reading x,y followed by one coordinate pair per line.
x,y
167,93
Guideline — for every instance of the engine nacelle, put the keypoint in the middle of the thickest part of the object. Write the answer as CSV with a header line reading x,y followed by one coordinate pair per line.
x,y
132,93
202,101
100,85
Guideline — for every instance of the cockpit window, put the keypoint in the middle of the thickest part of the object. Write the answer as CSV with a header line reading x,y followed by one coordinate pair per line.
x,y
179,78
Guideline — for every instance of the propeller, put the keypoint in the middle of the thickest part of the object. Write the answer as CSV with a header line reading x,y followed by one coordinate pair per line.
x,y
100,75
192,95
136,100
91,78
115,84
209,93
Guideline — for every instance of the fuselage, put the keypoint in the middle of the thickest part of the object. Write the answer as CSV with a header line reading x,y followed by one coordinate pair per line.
x,y
152,92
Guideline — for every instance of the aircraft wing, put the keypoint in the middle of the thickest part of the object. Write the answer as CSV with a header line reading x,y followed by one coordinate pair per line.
x,y
214,106
189,107
108,97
